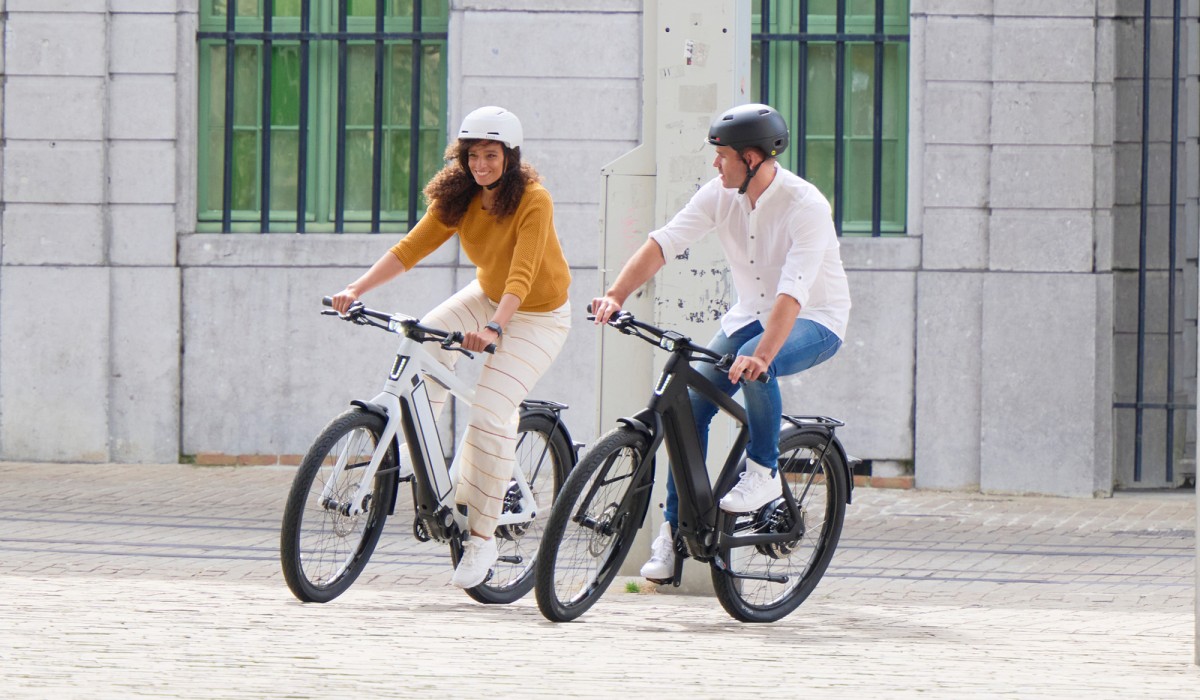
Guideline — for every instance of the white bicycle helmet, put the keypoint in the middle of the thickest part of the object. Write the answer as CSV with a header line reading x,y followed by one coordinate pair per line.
x,y
493,124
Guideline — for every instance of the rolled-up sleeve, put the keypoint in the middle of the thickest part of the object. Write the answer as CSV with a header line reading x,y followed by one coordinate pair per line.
x,y
810,233
690,224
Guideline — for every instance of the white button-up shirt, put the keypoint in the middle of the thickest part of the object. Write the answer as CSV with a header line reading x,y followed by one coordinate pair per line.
x,y
786,244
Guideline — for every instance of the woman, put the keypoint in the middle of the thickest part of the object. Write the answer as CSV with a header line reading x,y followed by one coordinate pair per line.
x,y
505,223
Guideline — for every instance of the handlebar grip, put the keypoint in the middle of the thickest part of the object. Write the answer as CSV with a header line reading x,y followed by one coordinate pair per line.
x,y
490,348
327,301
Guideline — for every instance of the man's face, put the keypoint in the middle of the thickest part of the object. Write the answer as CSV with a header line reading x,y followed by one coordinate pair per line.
x,y
733,170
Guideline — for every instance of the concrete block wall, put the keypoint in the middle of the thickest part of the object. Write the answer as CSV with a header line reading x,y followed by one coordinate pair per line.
x,y
90,297
125,335
1013,183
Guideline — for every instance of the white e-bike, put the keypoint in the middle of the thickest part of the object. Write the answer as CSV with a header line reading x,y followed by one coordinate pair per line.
x,y
347,483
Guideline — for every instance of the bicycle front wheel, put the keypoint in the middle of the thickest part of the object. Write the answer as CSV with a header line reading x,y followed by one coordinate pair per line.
x,y
322,549
785,573
543,455
593,524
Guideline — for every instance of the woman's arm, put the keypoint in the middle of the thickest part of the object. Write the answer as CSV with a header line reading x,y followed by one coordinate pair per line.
x,y
386,268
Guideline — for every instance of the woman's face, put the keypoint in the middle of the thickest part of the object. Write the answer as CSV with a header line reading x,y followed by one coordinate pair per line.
x,y
486,162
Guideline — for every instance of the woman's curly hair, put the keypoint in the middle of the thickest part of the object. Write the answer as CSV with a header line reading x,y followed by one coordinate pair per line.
x,y
450,192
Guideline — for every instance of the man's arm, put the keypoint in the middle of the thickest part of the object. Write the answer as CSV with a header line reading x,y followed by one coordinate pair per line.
x,y
778,328
648,260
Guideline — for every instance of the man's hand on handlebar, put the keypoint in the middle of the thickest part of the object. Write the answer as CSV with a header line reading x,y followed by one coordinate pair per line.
x,y
604,308
747,367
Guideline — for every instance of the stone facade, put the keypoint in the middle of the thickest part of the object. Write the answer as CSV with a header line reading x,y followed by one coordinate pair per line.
x,y
986,347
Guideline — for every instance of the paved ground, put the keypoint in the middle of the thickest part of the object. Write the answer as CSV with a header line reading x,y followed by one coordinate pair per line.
x,y
163,581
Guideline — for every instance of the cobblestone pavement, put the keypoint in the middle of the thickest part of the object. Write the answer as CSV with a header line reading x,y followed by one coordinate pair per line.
x,y
163,581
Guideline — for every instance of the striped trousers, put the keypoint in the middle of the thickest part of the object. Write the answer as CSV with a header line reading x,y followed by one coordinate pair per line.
x,y
531,342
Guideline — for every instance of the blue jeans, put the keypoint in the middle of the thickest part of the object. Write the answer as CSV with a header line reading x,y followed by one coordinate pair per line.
x,y
808,345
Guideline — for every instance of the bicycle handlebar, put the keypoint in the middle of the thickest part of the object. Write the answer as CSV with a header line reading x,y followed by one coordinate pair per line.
x,y
410,327
670,341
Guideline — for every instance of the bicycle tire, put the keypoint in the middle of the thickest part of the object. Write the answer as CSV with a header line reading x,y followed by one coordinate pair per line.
x,y
593,524
820,492
323,551
544,453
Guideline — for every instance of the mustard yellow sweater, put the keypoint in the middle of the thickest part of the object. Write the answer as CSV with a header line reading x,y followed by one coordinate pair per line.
x,y
519,255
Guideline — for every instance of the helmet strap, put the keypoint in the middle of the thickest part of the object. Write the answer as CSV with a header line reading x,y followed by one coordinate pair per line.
x,y
750,173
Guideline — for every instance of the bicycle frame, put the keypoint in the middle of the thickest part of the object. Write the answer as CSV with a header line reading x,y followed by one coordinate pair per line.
x,y
668,418
405,405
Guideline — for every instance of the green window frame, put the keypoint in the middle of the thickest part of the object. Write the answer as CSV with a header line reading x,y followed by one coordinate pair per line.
x,y
315,85
819,63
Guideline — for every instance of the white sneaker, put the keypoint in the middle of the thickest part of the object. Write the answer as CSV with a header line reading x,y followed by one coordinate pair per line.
x,y
662,556
477,559
757,487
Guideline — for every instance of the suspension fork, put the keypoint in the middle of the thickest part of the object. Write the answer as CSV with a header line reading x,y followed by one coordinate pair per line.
x,y
388,406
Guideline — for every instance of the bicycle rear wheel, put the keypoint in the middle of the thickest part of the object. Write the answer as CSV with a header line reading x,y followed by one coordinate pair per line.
x,y
593,524
818,484
543,455
323,550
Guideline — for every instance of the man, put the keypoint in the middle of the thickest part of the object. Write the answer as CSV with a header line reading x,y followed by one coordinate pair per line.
x,y
793,302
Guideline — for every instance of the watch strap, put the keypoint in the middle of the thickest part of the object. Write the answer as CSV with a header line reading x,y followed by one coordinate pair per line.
x,y
495,327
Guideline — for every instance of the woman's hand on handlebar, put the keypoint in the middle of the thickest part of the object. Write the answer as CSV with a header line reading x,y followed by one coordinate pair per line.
x,y
343,299
747,367
604,308
479,342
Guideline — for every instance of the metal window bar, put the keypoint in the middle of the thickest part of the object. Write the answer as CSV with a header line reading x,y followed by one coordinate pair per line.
x,y
414,133
264,221
227,165
840,38
1140,405
266,37
377,151
339,188
302,146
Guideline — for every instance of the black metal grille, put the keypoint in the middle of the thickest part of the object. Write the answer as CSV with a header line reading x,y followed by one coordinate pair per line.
x,y
1170,405
840,38
309,40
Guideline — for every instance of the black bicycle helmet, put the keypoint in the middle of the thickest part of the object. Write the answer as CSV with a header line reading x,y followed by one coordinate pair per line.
x,y
750,125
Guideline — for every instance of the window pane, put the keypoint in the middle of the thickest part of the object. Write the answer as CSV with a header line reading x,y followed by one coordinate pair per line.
x,y
287,8
245,170
285,86
821,94
246,83
397,180
243,8
860,90
358,173
400,81
360,85
285,152
859,166
433,110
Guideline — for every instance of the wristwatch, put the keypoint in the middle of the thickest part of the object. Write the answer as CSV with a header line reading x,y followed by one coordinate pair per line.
x,y
495,327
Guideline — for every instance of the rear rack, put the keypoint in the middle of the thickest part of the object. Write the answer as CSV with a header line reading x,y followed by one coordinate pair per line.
x,y
823,421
